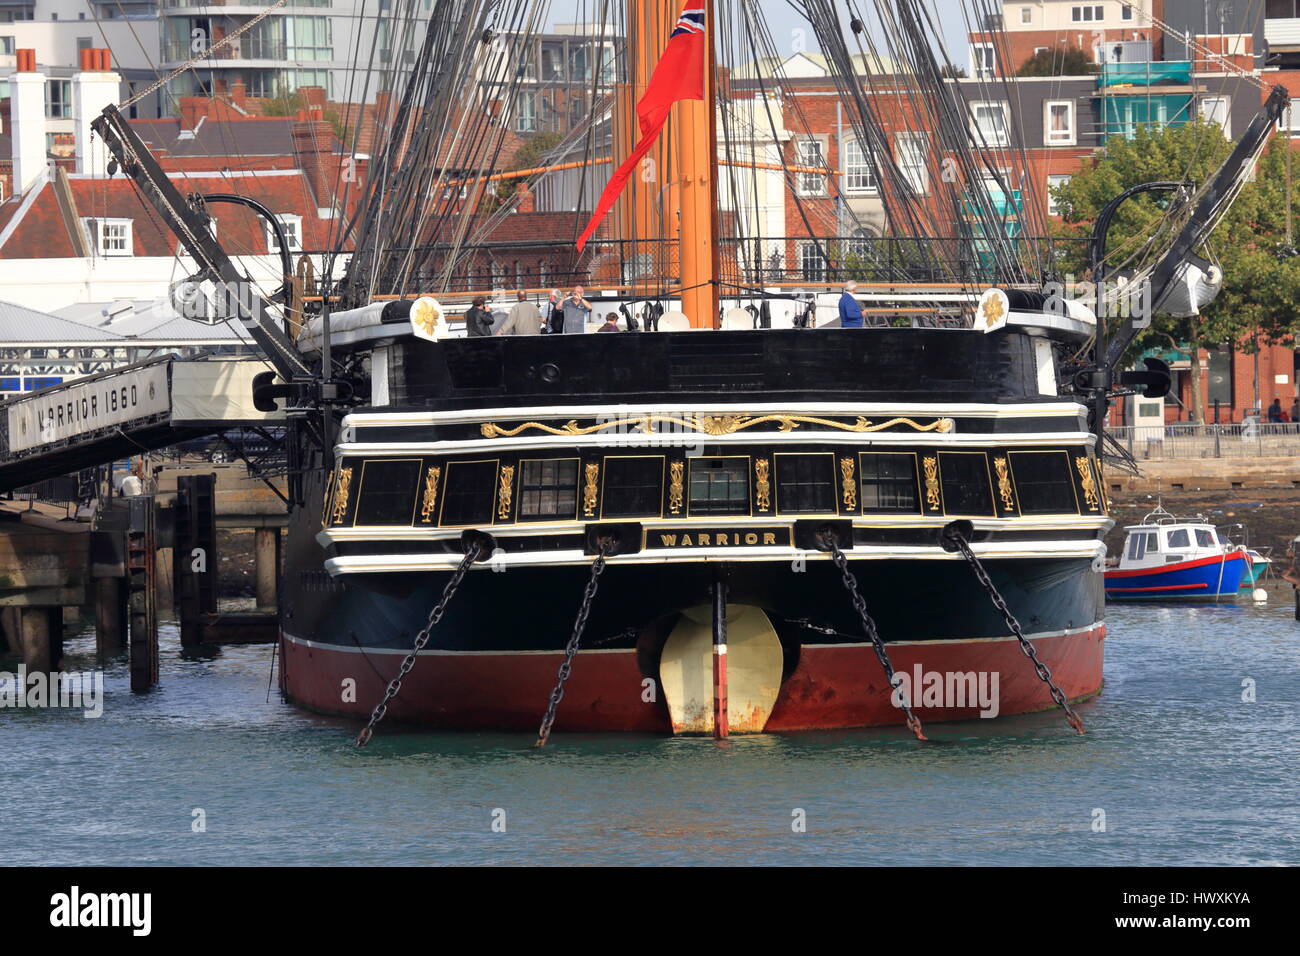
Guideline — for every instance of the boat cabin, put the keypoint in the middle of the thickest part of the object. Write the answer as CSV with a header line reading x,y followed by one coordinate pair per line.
x,y
1163,539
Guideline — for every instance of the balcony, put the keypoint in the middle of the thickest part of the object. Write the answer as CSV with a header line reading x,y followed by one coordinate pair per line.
x,y
242,48
1177,72
1282,32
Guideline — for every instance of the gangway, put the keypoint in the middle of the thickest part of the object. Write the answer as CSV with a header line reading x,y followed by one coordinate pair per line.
x,y
125,411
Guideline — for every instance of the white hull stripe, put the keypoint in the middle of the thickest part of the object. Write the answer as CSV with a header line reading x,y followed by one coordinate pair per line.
x,y
376,564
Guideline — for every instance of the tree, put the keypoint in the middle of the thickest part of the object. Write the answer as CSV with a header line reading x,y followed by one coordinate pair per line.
x,y
1260,300
1058,61
530,155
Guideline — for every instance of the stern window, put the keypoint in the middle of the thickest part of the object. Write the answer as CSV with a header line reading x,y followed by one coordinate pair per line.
x,y
720,486
1043,483
549,489
471,493
805,483
387,494
966,486
888,482
633,487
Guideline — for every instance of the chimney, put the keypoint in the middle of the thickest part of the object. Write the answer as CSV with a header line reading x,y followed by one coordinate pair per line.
x,y
27,122
525,201
313,147
94,86
238,91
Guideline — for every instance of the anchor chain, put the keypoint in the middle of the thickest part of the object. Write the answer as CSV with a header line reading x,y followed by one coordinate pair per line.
x,y
953,535
606,547
421,639
829,542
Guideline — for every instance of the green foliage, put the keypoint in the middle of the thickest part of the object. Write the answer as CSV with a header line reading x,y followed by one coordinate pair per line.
x,y
1058,61
288,103
528,156
1260,301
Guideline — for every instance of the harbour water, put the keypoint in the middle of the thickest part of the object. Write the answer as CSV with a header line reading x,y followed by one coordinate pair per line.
x,y
1182,768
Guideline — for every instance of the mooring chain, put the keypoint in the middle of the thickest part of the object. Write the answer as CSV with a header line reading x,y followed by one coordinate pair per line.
x,y
421,639
1045,675
571,649
868,625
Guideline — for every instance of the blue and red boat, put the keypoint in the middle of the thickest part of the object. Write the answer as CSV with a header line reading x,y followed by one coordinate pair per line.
x,y
1167,559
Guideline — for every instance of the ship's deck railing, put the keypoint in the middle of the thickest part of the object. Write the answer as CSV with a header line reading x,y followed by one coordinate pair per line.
x,y
1190,440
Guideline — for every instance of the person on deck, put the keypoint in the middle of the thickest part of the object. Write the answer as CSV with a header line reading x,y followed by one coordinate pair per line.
x,y
554,313
576,310
850,309
524,318
478,320
611,323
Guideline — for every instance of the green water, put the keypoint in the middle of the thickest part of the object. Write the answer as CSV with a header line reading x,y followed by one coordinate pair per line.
x,y
1184,770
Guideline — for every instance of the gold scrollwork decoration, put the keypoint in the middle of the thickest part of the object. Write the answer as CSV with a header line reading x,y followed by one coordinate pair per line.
x,y
931,465
1087,482
712,424
342,488
506,492
430,498
592,471
676,472
762,485
1004,484
848,484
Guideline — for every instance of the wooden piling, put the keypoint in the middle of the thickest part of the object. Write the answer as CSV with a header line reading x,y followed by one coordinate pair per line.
x,y
720,722
112,615
266,543
141,551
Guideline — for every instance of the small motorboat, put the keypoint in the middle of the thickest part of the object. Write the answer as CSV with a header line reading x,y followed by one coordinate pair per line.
x,y
1166,558
1259,559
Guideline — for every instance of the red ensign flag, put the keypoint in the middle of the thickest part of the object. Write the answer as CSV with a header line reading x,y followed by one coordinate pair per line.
x,y
679,76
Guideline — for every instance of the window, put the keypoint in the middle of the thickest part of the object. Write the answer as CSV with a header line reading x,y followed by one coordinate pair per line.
x,y
809,152
913,161
1058,123
471,493
1053,182
1203,539
983,60
719,486
1026,16
1214,109
548,489
1178,538
1140,543
812,265
307,38
6,46
387,492
805,483
633,487
526,112
292,226
58,99
1044,484
964,478
859,176
1125,12
888,482
1092,13
110,237
990,121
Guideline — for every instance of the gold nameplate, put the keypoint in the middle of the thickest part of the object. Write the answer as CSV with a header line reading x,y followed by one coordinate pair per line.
x,y
719,538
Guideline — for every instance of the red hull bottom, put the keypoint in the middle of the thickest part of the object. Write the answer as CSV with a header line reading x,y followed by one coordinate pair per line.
x,y
833,686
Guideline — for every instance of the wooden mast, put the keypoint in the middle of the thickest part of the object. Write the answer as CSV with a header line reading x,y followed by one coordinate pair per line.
x,y
697,153
673,196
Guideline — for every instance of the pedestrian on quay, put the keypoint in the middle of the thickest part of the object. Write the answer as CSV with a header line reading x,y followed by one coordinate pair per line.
x,y
1275,412
478,320
524,318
